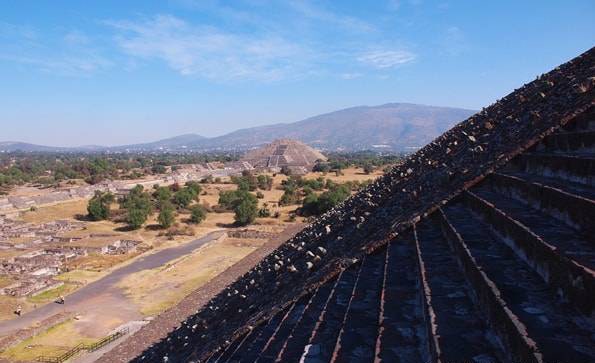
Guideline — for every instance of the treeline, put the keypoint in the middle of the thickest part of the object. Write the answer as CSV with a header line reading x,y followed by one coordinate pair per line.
x,y
138,205
368,161
243,203
50,169
316,196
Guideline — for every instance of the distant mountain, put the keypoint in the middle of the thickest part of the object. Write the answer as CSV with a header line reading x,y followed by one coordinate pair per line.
x,y
173,143
170,144
393,126
11,146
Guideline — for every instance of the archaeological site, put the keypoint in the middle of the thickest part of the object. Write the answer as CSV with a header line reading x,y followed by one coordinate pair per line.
x,y
479,247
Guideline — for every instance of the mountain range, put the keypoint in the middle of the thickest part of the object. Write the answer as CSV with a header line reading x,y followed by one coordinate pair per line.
x,y
392,126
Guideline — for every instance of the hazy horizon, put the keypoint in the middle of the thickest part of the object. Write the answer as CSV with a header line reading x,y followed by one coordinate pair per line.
x,y
110,73
227,132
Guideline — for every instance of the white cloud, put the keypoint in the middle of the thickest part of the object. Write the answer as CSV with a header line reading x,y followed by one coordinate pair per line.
x,y
69,54
309,10
383,59
207,51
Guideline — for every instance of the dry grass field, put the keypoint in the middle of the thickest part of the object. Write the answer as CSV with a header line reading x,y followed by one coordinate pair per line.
x,y
64,210
158,289
54,341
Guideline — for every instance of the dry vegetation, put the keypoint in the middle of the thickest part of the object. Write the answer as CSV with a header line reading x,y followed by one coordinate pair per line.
x,y
158,289
54,341
150,291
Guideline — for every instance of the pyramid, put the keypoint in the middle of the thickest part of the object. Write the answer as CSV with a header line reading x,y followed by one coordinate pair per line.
x,y
284,153
479,247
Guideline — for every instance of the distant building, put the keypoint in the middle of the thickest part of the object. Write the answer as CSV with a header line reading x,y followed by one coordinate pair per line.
x,y
292,154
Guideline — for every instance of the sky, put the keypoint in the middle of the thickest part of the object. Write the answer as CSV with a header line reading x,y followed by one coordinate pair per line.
x,y
105,72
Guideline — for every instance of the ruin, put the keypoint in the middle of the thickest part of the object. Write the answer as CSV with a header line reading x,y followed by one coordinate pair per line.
x,y
46,250
478,247
11,205
293,154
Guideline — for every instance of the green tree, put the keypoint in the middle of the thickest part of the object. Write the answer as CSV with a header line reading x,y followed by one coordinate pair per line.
x,y
198,213
230,199
166,215
194,187
290,196
162,194
138,206
242,184
368,168
136,217
318,204
158,169
99,206
246,211
322,167
183,197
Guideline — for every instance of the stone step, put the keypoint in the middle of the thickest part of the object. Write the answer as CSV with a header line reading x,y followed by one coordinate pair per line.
x,y
559,332
458,330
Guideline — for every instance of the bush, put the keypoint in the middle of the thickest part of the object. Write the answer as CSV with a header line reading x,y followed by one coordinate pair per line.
x,y
198,213
265,182
166,215
183,197
158,169
290,196
322,167
259,195
194,187
286,171
314,205
264,212
368,168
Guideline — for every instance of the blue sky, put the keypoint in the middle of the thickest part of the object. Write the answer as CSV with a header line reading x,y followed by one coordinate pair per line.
x,y
116,72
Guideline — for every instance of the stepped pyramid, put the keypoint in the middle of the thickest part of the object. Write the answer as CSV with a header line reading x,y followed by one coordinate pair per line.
x,y
284,152
478,248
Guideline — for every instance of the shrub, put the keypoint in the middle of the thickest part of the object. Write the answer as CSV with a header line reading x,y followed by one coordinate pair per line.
x,y
198,213
166,215
265,182
194,187
264,212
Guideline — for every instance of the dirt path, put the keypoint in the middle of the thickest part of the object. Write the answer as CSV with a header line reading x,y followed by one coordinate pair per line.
x,y
93,300
171,318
